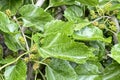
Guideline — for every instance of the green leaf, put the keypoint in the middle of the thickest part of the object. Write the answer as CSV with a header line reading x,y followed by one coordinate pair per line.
x,y
6,60
115,7
89,34
16,72
118,16
73,13
60,70
58,26
12,5
118,36
112,72
115,53
89,2
57,43
99,49
1,77
13,43
62,47
54,3
82,24
34,16
89,71
6,25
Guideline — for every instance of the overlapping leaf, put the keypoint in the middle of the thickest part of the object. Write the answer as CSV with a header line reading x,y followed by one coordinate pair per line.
x,y
99,49
89,71
12,5
13,42
6,25
34,16
57,44
60,70
112,72
90,33
73,13
61,46
115,52
16,72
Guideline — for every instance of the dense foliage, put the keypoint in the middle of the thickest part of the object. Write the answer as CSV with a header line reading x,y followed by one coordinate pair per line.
x,y
59,39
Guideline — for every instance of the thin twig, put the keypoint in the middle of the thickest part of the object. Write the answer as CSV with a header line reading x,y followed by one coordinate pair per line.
x,y
32,2
39,70
39,3
36,75
100,18
14,60
47,8
22,31
42,74
41,62
115,39
27,47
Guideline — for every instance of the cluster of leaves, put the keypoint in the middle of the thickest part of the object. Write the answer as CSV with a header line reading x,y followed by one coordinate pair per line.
x,y
60,40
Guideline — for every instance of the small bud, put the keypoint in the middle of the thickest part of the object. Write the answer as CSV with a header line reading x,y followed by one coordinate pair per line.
x,y
8,12
34,47
21,39
92,12
113,28
112,23
35,66
20,22
31,56
101,26
95,23
26,59
115,11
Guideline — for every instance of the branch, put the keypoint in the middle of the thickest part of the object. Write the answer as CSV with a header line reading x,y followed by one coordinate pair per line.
x,y
39,3
22,31
14,60
114,19
100,18
115,38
